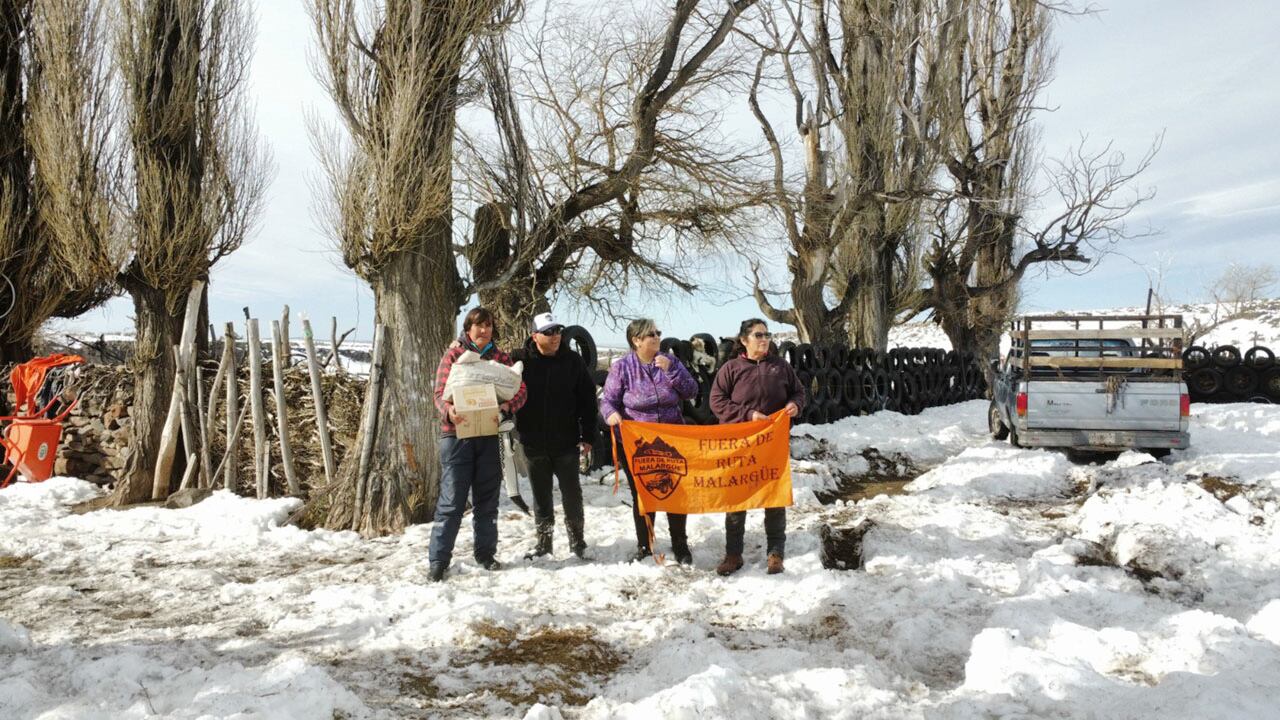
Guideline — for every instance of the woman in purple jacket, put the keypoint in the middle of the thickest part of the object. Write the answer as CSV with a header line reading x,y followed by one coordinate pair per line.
x,y
647,385
752,386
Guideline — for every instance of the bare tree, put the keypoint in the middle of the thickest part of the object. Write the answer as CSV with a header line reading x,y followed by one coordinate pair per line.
x,y
197,176
814,215
1242,285
56,166
891,96
20,248
862,101
1234,294
393,69
77,159
983,241
608,174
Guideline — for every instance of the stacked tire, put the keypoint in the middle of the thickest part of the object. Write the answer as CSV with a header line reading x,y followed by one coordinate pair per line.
x,y
1225,374
843,381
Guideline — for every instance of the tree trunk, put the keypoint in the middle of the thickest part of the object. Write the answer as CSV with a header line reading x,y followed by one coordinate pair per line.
x,y
153,366
513,309
416,298
871,313
513,303
812,317
13,350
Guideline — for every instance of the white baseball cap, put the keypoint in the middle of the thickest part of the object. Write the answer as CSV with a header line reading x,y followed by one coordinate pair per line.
x,y
545,321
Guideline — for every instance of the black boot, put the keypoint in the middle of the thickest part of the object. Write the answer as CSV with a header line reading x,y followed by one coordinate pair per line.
x,y
682,553
680,538
543,546
577,543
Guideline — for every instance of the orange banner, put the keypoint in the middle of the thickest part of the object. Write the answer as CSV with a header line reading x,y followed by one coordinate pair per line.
x,y
710,468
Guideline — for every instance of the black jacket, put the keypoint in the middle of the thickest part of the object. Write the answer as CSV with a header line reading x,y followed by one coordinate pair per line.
x,y
560,411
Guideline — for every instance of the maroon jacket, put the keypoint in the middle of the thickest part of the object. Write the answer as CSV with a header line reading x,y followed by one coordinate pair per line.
x,y
743,385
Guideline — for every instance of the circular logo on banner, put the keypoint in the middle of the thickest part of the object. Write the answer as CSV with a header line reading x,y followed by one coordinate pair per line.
x,y
43,452
659,467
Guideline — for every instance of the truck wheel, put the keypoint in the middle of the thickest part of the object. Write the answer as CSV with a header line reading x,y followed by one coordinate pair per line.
x,y
1195,357
1226,356
1259,357
1241,380
1205,382
998,429
580,341
1270,384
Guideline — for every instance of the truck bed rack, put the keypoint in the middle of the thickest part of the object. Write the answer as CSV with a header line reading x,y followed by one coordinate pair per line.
x,y
1079,343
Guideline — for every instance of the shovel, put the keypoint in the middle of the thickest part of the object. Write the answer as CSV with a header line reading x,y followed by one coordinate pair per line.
x,y
507,449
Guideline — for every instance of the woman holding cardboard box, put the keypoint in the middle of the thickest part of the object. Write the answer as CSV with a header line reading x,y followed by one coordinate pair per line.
x,y
470,465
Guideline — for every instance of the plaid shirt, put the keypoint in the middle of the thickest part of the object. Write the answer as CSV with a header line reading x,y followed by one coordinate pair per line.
x,y
442,376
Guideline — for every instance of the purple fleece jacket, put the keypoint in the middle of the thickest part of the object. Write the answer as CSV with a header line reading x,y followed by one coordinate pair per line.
x,y
643,392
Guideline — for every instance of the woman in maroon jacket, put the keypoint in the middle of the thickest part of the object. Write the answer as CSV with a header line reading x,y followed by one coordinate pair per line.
x,y
752,386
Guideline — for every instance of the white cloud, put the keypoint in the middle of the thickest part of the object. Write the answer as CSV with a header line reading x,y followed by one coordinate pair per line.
x,y
1257,197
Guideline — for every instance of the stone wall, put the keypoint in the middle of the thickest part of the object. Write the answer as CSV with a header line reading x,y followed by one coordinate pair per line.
x,y
97,434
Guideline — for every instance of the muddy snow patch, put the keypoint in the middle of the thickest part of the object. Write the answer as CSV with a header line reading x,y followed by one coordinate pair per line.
x,y
1199,547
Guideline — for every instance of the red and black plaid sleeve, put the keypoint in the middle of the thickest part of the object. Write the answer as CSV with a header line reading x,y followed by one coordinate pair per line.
x,y
442,376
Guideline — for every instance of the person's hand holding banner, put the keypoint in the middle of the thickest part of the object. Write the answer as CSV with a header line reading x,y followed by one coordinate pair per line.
x,y
710,468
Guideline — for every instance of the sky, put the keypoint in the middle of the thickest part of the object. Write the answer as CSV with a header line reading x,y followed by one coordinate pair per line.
x,y
1201,79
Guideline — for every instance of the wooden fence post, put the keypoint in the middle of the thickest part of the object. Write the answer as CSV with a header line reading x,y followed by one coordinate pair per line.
x,y
278,360
372,399
317,394
169,435
260,451
233,407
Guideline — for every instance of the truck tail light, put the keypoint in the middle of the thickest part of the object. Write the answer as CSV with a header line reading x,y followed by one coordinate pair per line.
x,y
1184,405
1022,404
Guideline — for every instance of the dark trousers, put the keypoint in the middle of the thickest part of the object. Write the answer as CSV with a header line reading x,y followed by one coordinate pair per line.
x,y
565,469
676,523
775,531
470,466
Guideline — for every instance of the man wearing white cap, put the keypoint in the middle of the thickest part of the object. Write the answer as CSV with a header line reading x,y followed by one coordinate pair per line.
x,y
557,421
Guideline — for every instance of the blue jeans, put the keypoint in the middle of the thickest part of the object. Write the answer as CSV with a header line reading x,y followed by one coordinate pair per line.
x,y
469,466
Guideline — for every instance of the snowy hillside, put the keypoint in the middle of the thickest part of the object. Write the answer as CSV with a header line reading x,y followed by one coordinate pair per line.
x,y
1001,583
1259,325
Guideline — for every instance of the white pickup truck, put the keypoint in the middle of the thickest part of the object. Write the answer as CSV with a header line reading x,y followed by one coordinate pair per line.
x,y
1093,383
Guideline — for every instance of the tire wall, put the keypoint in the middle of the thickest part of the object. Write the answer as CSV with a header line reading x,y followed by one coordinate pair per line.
x,y
1231,374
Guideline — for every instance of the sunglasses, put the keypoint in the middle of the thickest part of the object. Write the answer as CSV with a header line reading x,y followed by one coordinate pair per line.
x,y
550,331
762,335
652,334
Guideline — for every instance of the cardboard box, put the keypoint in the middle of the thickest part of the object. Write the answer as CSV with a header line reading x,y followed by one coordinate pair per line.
x,y
478,405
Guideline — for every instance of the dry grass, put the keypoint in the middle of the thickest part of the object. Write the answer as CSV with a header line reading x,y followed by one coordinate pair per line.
x,y
1222,488
562,665
8,562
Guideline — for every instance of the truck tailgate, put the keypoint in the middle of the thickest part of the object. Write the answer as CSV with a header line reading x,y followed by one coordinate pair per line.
x,y
1087,405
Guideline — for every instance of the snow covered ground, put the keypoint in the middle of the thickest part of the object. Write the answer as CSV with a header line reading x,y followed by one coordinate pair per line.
x,y
1003,583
